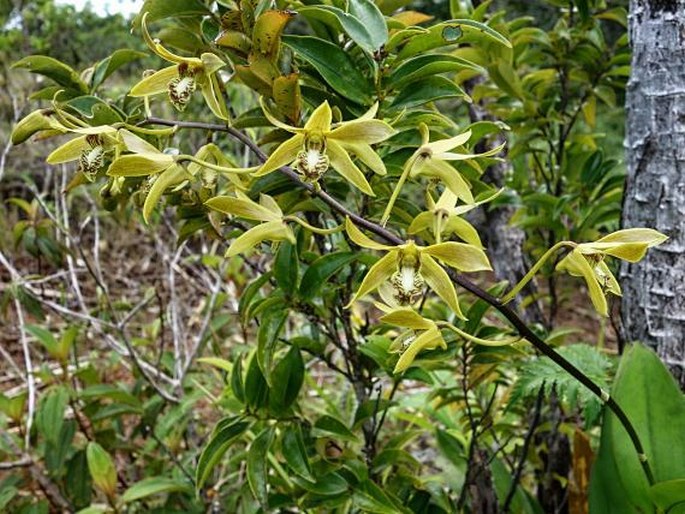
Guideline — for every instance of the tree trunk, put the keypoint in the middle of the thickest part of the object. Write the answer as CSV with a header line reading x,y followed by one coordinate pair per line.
x,y
654,289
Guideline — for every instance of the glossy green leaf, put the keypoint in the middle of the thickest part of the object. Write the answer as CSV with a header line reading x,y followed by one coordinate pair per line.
x,y
423,66
321,270
656,407
154,485
294,452
225,434
667,495
237,380
257,471
452,32
53,69
368,497
286,381
109,65
160,9
372,20
427,90
330,484
256,387
328,425
334,64
286,268
271,325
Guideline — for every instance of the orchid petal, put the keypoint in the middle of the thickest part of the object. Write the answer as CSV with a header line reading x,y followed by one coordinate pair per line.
x,y
576,264
156,83
444,145
438,280
69,151
447,174
320,119
271,231
381,271
358,237
367,155
241,207
284,155
341,162
362,131
461,256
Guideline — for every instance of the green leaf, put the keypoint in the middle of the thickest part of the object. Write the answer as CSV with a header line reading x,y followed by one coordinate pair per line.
x,y
110,64
655,406
427,90
667,495
330,484
256,388
364,23
286,380
328,425
270,328
160,9
249,294
226,432
53,69
294,452
50,415
321,270
286,268
237,380
522,502
426,66
542,370
78,482
335,66
45,338
449,33
368,497
101,468
372,20
257,471
154,485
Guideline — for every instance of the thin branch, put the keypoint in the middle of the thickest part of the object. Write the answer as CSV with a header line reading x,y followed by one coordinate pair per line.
x,y
30,379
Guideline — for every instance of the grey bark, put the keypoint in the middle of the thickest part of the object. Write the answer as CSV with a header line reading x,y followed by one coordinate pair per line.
x,y
653,306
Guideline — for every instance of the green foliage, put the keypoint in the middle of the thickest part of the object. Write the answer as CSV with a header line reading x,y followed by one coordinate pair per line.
x,y
325,195
543,373
653,400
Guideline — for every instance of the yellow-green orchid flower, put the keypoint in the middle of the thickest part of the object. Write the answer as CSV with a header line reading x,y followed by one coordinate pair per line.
x,y
273,224
444,218
320,145
431,160
89,149
164,169
587,260
181,79
421,334
409,268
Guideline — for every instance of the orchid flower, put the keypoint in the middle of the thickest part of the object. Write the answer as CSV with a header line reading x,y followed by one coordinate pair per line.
x,y
432,160
587,260
181,79
444,218
164,169
272,227
409,268
321,145
89,149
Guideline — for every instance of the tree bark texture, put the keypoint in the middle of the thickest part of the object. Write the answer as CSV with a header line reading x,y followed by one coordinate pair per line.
x,y
653,309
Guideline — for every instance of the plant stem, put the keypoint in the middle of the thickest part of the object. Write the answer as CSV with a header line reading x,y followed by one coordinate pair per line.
x,y
533,271
397,190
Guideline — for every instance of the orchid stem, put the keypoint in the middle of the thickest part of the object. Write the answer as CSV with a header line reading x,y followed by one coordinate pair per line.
x,y
396,191
215,167
529,276
316,230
